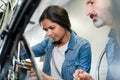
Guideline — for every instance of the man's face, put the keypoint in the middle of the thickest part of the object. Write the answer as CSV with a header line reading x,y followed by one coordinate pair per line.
x,y
98,11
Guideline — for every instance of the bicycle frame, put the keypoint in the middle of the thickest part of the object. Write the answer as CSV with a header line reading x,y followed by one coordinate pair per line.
x,y
13,32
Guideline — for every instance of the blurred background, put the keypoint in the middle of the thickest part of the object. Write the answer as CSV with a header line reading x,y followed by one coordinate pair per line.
x,y
81,24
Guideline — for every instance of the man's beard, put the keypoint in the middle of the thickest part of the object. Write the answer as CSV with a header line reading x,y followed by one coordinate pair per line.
x,y
99,22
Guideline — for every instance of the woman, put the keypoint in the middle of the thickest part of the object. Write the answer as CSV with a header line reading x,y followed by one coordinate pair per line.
x,y
64,51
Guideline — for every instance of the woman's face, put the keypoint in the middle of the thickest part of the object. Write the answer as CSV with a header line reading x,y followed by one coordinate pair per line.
x,y
54,30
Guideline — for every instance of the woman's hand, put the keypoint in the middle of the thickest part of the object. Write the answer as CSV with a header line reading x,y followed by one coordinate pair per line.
x,y
44,76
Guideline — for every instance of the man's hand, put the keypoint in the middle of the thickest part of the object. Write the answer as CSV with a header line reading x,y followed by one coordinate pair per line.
x,y
82,75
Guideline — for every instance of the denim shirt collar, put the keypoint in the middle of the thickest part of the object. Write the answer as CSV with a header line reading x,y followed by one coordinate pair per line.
x,y
112,34
72,40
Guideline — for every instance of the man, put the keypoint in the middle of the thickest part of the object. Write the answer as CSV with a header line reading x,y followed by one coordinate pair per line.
x,y
100,12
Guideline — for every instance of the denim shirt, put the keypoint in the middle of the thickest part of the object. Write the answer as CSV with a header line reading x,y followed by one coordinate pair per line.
x,y
113,57
77,55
